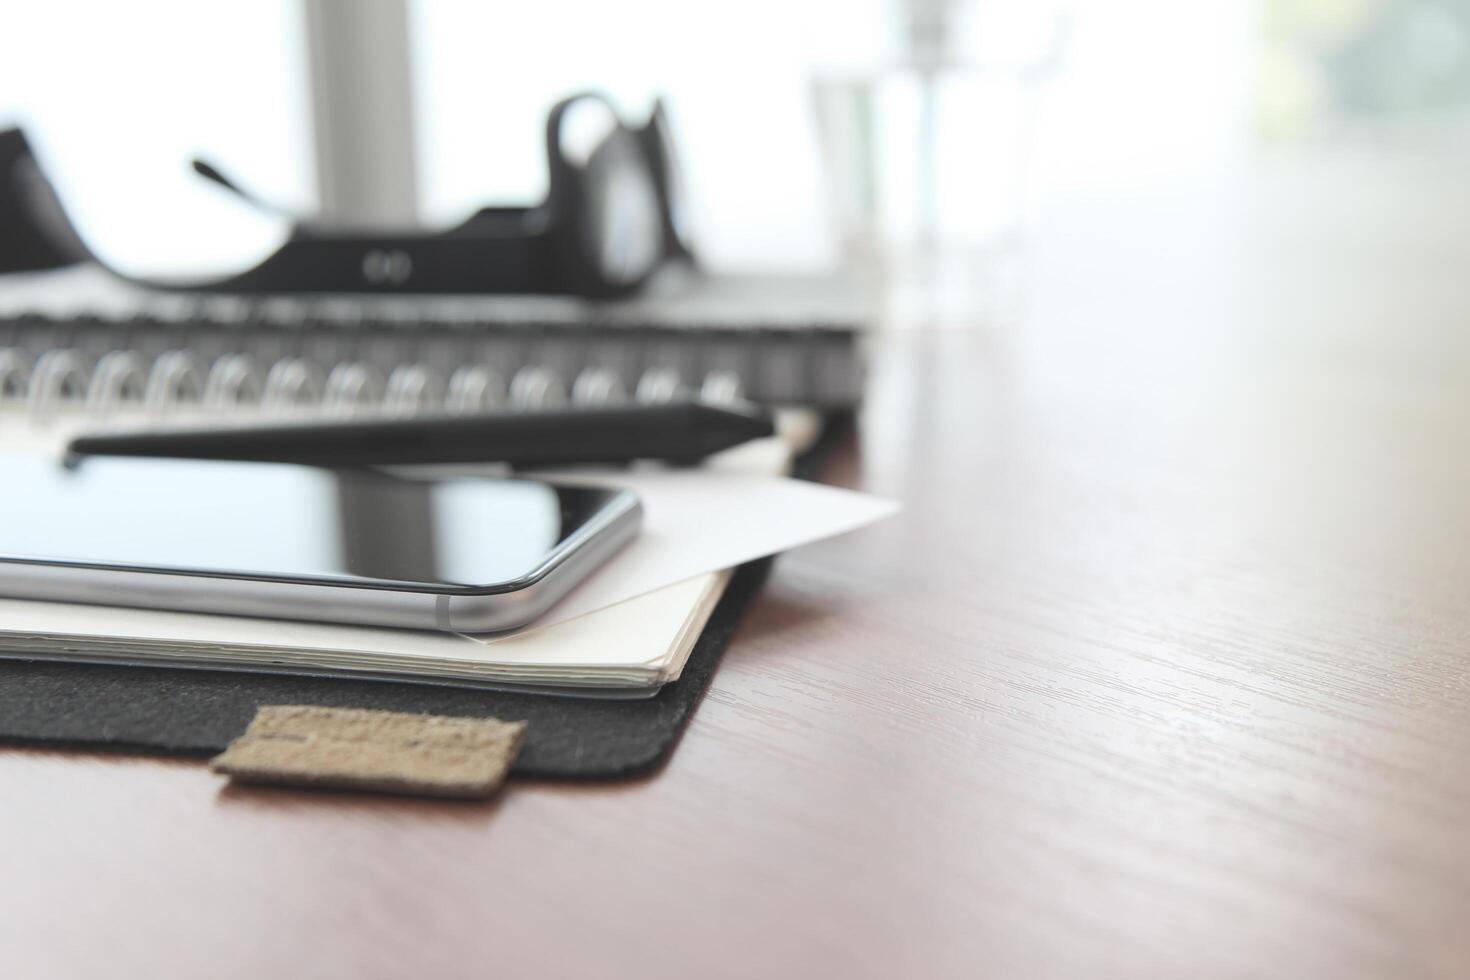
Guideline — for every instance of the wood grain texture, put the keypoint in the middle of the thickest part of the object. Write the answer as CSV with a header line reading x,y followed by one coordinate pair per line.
x,y
1162,673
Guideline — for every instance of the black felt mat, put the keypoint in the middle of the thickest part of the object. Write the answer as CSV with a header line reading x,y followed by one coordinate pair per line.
x,y
196,712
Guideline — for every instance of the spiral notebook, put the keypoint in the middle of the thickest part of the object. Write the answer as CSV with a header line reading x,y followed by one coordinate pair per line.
x,y
78,336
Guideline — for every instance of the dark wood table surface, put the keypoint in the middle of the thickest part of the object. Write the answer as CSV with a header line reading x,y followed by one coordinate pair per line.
x,y
1161,673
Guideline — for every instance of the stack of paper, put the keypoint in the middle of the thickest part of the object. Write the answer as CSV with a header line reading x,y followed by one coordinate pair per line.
x,y
638,644
630,627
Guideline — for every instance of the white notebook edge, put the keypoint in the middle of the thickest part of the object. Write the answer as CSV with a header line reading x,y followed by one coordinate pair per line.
x,y
575,654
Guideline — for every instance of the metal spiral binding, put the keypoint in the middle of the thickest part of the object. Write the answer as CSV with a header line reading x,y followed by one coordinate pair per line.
x,y
721,387
232,382
535,388
176,379
598,386
15,375
352,387
292,384
474,388
57,377
659,385
413,389
117,379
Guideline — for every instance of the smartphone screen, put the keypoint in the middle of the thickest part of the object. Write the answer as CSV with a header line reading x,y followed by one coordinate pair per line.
x,y
287,522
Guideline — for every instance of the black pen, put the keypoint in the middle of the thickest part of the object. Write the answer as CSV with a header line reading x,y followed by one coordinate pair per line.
x,y
678,432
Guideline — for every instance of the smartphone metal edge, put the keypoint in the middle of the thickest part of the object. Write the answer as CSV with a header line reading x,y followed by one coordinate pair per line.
x,y
496,608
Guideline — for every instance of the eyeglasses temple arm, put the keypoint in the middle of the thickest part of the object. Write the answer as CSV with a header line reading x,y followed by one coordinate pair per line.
x,y
212,173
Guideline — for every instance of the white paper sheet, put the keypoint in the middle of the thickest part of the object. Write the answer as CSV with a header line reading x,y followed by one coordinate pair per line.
x,y
698,521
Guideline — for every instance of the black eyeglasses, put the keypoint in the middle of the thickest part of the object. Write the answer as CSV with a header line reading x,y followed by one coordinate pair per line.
x,y
34,231
614,212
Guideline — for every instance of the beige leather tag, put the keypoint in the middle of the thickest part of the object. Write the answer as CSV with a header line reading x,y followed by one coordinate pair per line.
x,y
383,751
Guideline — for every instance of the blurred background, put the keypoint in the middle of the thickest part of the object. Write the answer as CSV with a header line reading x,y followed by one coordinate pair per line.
x,y
921,134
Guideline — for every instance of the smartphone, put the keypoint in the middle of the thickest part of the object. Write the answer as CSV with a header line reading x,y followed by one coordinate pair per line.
x,y
361,546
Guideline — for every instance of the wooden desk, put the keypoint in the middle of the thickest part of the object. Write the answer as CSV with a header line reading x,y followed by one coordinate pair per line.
x,y
1162,673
